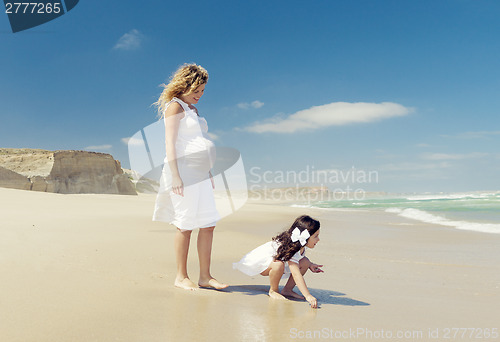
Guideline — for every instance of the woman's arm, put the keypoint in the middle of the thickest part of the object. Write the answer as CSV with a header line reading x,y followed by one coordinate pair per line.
x,y
173,116
301,283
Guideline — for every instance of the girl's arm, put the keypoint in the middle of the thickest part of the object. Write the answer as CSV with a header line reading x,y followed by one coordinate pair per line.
x,y
301,283
173,116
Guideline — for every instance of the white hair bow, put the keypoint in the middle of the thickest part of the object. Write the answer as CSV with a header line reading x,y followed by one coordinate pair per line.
x,y
302,237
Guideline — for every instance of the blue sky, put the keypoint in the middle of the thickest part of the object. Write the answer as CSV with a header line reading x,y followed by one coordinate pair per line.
x,y
286,82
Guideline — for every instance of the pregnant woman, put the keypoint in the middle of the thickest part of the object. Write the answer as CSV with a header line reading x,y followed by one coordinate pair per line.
x,y
185,198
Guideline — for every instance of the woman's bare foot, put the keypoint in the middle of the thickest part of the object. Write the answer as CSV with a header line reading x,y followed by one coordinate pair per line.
x,y
291,293
212,283
276,295
185,284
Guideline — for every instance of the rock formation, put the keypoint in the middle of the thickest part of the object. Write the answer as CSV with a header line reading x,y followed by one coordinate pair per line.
x,y
142,184
66,172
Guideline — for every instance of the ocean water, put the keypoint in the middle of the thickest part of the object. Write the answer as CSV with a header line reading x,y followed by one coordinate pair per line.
x,y
475,211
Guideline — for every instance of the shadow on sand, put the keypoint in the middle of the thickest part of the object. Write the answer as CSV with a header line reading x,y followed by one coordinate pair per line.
x,y
323,296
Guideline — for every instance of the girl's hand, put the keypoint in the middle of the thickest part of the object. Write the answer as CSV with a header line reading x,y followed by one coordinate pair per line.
x,y
312,301
212,180
315,268
177,185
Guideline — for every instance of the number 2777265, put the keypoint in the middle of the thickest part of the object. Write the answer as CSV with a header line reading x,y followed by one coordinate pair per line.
x,y
32,8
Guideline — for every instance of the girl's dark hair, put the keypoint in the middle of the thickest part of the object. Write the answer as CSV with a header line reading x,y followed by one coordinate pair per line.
x,y
287,248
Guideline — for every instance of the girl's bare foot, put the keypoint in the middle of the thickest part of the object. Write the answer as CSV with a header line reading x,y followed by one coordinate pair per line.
x,y
185,284
276,295
212,283
291,293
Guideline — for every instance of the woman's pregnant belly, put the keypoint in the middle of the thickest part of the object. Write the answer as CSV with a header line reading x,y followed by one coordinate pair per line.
x,y
197,155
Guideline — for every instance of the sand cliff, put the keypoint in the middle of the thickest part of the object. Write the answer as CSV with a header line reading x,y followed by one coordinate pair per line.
x,y
66,172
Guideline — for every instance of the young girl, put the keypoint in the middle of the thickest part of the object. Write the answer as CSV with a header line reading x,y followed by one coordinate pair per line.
x,y
185,198
285,255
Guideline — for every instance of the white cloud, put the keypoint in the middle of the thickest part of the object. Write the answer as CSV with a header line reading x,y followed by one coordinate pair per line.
x,y
213,136
257,104
132,141
254,104
445,156
129,41
414,171
99,148
412,166
473,135
332,114
383,154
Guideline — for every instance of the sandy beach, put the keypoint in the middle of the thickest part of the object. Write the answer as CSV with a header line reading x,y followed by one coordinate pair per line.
x,y
96,268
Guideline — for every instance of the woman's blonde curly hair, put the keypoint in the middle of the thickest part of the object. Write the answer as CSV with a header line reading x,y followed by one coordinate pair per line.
x,y
184,81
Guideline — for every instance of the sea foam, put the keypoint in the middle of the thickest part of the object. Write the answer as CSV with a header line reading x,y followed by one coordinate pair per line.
x,y
455,196
424,216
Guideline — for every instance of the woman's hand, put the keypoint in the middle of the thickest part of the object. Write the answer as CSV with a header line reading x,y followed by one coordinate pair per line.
x,y
211,179
313,301
177,185
315,268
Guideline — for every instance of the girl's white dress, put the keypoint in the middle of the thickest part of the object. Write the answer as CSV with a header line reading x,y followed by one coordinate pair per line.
x,y
259,259
195,157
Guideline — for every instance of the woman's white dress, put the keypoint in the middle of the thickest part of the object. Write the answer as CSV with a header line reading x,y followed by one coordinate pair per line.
x,y
259,259
195,157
